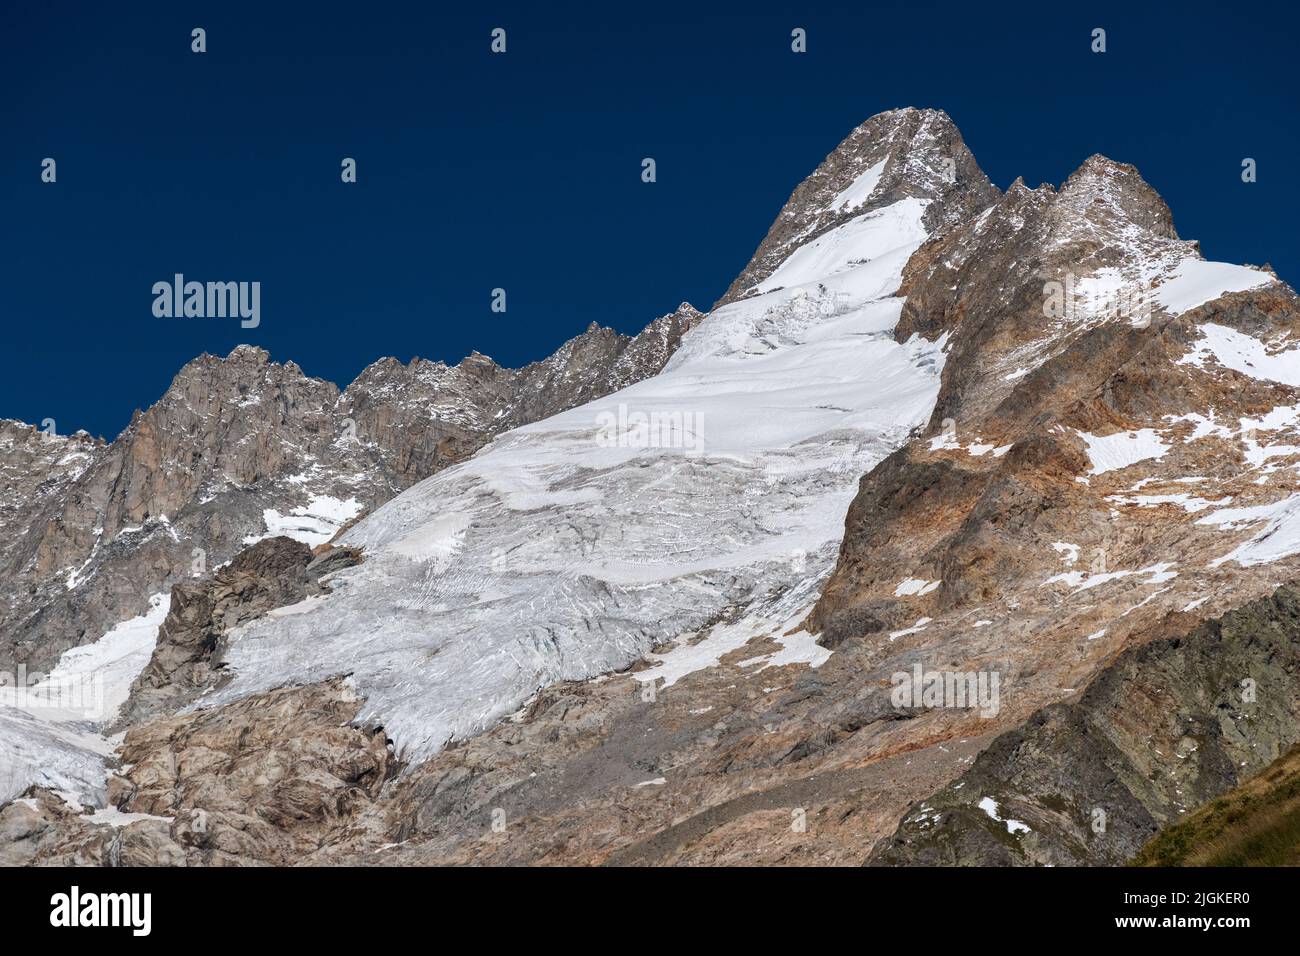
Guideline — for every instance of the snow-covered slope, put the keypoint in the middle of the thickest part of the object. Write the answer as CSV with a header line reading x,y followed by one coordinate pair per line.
x,y
243,448
50,724
714,491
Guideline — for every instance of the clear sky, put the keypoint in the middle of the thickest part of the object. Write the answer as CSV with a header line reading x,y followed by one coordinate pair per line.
x,y
522,170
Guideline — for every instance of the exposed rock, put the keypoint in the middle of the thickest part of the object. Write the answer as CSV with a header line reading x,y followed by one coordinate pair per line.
x,y
1169,726
266,781
187,660
1254,824
1001,474
242,447
421,417
43,829
923,157
35,466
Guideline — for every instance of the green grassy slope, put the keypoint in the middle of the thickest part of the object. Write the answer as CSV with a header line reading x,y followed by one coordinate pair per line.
x,y
1255,824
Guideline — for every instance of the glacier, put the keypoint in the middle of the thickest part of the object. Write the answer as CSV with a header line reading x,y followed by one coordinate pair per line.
x,y
707,502
50,728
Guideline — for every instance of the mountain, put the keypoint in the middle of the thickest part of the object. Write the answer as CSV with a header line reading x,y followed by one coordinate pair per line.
x,y
242,447
897,155
932,432
576,545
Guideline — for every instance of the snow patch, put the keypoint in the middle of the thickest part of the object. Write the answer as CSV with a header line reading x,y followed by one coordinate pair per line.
x,y
1280,537
1159,573
1112,452
913,586
1188,503
1196,282
1069,552
990,807
50,736
114,661
916,628
860,190
1243,353
868,237
313,524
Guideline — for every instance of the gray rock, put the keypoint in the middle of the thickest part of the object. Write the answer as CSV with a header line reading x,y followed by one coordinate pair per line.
x,y
99,528
1161,731
919,148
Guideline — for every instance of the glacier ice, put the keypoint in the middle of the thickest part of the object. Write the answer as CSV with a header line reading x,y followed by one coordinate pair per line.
x,y
714,491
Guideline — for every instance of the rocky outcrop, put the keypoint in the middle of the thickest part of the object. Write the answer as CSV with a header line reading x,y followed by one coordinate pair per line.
x,y
1169,726
180,491
1254,824
418,418
1060,546
269,780
35,466
187,659
1002,473
44,829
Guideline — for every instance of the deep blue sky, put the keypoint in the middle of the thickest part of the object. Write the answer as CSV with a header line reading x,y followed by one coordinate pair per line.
x,y
523,170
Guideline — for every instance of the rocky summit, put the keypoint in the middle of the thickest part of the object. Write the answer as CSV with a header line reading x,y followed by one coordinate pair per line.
x,y
961,531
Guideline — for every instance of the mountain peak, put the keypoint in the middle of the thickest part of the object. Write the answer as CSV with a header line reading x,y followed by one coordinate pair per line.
x,y
249,353
909,122
895,155
245,371
906,359
477,358
1103,184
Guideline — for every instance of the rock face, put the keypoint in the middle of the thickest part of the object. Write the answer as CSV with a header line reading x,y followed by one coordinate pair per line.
x,y
1080,446
242,448
35,466
36,470
267,781
1253,824
907,153
1070,500
1036,465
229,439
416,419
1169,726
186,662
